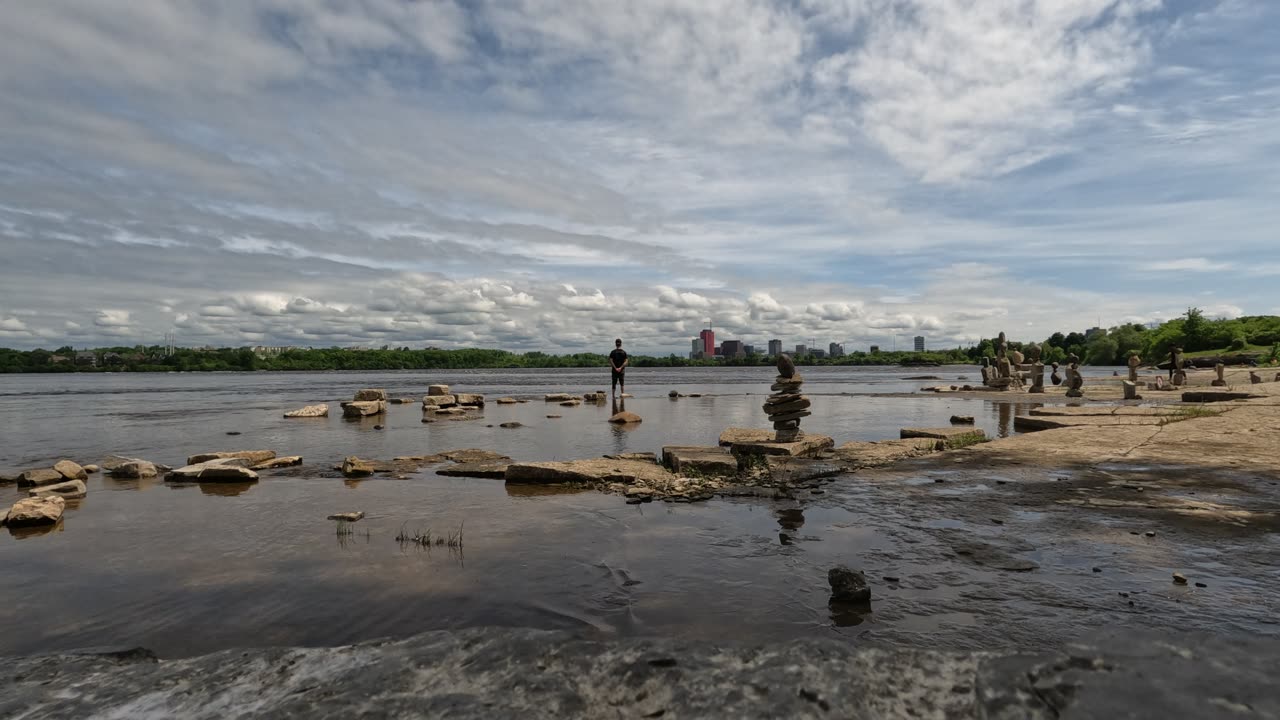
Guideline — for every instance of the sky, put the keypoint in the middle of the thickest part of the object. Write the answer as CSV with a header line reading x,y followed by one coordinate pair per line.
x,y
552,174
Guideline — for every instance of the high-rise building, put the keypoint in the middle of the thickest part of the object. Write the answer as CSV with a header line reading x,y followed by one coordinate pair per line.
x,y
818,352
775,347
835,350
801,350
708,338
696,352
875,349
919,343
749,349
732,349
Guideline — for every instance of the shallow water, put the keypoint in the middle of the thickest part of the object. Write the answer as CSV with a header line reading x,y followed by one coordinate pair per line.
x,y
184,569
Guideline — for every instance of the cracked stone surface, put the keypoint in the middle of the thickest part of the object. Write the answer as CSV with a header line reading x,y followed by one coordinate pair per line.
x,y
488,672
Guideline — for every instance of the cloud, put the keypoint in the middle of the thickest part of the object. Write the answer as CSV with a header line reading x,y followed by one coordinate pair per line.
x,y
1193,264
112,318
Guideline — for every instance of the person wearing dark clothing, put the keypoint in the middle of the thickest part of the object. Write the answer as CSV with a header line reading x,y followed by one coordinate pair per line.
x,y
1175,361
618,365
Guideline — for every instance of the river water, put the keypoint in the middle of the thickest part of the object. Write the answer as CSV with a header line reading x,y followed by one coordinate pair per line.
x,y
185,569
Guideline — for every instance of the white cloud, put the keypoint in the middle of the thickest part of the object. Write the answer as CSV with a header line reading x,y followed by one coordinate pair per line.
x,y
1192,264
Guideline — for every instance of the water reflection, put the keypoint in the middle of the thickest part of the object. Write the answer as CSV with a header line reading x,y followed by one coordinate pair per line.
x,y
1007,412
545,490
30,531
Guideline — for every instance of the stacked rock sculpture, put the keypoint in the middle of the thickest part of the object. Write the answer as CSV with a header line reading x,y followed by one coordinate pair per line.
x,y
786,405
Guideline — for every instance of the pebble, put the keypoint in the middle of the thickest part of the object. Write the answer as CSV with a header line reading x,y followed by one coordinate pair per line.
x,y
1150,533
377,427
1200,584
1180,579
890,578
939,480
998,522
1097,569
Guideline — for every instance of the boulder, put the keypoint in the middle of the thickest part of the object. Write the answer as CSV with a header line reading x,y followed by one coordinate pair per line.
x,y
220,470
712,461
1130,390
321,410
45,510
123,467
70,470
470,399
91,469
38,477
961,419
439,401
848,586
571,403
598,471
558,397
370,394
278,462
347,516
625,418
363,408
70,490
252,457
673,394
438,390
506,401
353,466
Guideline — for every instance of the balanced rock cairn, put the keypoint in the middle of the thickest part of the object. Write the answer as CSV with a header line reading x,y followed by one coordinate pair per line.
x,y
786,405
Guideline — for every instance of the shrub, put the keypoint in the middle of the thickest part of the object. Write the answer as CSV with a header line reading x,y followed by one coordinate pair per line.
x,y
1239,343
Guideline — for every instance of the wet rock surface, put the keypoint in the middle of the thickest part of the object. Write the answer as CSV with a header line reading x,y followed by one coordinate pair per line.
x,y
489,672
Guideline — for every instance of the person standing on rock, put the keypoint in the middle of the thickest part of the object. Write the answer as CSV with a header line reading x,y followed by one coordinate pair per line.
x,y
618,365
1175,361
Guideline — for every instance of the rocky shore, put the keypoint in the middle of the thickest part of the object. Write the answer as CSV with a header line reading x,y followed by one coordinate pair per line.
x,y
495,673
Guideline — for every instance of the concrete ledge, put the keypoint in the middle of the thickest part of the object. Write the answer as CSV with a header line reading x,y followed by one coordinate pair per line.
x,y
494,673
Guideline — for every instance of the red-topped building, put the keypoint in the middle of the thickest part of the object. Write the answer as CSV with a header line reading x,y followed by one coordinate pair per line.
x,y
708,338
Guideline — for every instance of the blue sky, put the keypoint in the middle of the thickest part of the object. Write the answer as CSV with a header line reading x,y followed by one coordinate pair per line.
x,y
550,174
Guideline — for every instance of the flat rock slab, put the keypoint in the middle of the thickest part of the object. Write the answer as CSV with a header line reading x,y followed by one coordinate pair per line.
x,y
252,456
490,469
40,476
597,471
1208,396
788,470
69,490
642,456
472,455
221,470
498,673
364,408
279,462
1103,411
1028,423
714,461
946,433
746,441
123,467
885,452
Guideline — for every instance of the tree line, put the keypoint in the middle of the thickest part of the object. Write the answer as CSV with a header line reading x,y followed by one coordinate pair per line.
x,y
1258,335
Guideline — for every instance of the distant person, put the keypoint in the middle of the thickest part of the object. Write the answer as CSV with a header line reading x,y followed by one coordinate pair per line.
x,y
1175,361
618,366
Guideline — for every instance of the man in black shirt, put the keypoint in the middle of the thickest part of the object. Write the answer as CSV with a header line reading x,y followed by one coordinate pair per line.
x,y
618,364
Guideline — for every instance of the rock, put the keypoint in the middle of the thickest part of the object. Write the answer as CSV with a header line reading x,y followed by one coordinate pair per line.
x,y
470,399
1208,396
600,471
558,397
786,470
571,403
70,470
233,432
251,456
482,673
856,454
472,455
438,390
221,470
624,396
321,410
402,401
554,417
673,394
1179,579
694,395
625,418
38,477
46,510
439,401
786,366
91,469
988,555
848,586
710,461
506,401
276,463
1130,390
379,427
122,467
347,516
948,434
496,469
70,490
353,466
363,408
744,441
511,425
1254,378
370,395
456,410
961,419
642,456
